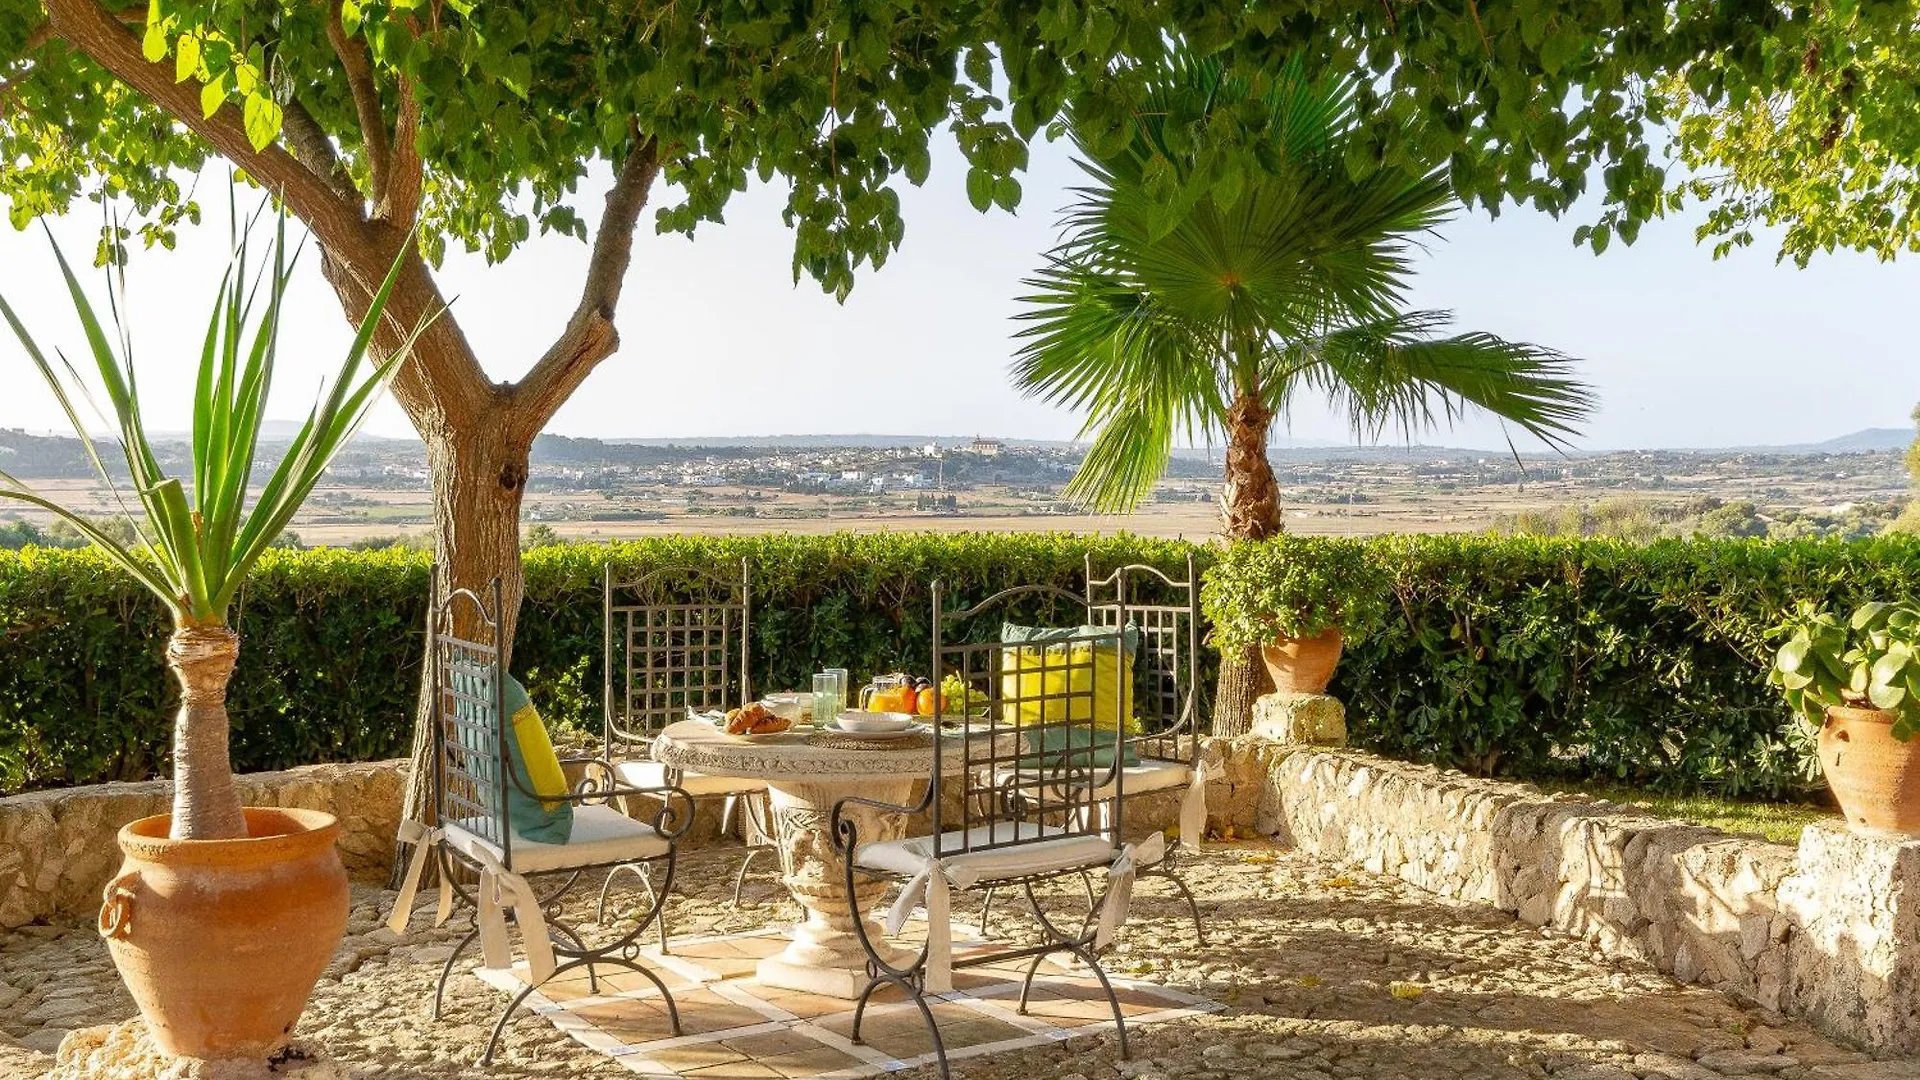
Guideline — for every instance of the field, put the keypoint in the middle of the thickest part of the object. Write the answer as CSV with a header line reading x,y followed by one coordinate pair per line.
x,y
378,493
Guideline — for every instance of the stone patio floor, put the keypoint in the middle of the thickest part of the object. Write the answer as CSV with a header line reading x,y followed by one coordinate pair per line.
x,y
1326,973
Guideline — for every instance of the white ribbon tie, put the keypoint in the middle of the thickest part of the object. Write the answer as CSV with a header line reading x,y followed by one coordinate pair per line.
x,y
425,840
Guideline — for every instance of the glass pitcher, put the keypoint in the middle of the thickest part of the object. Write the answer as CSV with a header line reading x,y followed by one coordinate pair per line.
x,y
888,693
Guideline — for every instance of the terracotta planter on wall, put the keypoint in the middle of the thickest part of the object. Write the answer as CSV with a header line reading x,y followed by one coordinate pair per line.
x,y
1303,665
1875,777
221,941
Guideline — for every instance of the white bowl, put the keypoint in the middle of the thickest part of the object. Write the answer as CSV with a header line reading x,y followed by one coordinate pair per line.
x,y
795,707
866,722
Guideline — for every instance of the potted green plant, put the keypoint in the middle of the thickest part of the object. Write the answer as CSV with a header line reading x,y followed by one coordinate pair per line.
x,y
1858,682
1298,600
222,917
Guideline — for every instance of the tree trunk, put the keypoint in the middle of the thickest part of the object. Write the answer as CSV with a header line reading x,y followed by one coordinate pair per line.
x,y
1250,510
206,805
479,473
1250,502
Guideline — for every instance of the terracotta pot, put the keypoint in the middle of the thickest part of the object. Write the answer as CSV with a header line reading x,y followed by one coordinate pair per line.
x,y
221,941
1875,776
1302,665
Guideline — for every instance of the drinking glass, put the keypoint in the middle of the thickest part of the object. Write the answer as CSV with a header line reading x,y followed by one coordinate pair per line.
x,y
840,674
827,696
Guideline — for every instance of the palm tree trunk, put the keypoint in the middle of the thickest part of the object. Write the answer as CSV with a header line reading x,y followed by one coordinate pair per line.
x,y
206,805
1250,505
1250,510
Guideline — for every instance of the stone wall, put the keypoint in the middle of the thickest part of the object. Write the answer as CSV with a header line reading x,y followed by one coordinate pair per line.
x,y
1830,932
57,848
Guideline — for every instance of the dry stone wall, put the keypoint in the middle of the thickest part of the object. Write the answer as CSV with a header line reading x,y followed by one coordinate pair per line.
x,y
1829,932
57,848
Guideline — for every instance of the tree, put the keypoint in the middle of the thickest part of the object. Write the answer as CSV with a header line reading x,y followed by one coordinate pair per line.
x,y
477,121
1213,315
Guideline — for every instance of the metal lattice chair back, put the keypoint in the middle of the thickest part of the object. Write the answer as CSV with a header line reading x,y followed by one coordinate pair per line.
x,y
1166,614
469,712
1040,751
676,639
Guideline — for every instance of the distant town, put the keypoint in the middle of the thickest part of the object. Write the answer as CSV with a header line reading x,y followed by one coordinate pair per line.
x,y
377,491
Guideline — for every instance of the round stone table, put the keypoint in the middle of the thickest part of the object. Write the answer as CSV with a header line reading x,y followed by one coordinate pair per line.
x,y
805,781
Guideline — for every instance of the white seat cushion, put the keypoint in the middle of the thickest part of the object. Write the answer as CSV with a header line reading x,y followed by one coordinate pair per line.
x,y
600,835
1152,774
1046,851
652,774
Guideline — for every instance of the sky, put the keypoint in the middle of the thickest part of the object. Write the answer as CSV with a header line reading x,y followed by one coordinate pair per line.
x,y
718,340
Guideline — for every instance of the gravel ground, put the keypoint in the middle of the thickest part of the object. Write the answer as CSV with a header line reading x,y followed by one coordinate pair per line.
x,y
1329,973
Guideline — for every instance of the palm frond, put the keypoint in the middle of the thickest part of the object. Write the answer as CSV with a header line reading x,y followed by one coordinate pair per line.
x,y
1171,292
1394,373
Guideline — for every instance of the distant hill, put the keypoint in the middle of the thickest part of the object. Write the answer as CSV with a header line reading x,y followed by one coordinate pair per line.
x,y
1873,438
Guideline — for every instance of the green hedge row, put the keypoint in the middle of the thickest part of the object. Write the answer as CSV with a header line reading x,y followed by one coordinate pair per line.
x,y
1521,657
1643,663
331,641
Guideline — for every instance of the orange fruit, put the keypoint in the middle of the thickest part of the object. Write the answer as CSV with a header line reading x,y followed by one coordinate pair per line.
x,y
924,703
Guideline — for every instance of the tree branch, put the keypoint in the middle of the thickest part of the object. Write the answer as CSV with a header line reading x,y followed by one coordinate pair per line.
x,y
358,67
590,336
311,147
400,200
99,35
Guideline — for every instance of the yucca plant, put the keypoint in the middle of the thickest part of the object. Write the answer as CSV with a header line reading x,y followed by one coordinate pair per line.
x,y
193,549
1183,301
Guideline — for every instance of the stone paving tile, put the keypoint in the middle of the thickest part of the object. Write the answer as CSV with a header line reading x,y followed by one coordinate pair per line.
x,y
1329,974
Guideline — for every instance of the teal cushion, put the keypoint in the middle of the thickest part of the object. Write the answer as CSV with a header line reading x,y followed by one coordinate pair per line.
x,y
544,821
537,768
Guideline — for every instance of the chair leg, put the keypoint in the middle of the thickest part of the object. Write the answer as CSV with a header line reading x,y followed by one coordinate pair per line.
x,y
1026,984
860,1010
986,910
1193,906
1113,1000
933,1031
740,879
440,989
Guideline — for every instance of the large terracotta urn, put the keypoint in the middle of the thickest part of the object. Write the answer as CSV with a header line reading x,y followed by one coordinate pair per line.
x,y
1875,777
1303,665
221,941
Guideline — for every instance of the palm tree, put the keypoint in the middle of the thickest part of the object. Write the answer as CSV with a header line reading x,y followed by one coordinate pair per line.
x,y
1187,297
193,549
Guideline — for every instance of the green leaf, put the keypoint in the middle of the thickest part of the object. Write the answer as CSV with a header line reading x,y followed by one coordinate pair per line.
x,y
213,94
1794,652
186,58
980,188
153,44
263,116
1887,696
1867,615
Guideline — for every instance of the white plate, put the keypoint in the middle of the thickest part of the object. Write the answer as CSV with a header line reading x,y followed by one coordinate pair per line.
x,y
719,722
835,729
868,722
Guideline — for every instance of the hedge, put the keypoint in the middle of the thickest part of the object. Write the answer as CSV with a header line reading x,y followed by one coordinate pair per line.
x,y
1519,657
331,641
1602,659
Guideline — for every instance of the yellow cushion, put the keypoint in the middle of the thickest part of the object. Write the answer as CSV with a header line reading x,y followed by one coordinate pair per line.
x,y
1081,681
548,820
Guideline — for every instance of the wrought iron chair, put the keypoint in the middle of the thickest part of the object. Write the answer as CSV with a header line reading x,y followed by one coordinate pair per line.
x,y
1165,613
1028,814
484,867
677,639
1165,700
